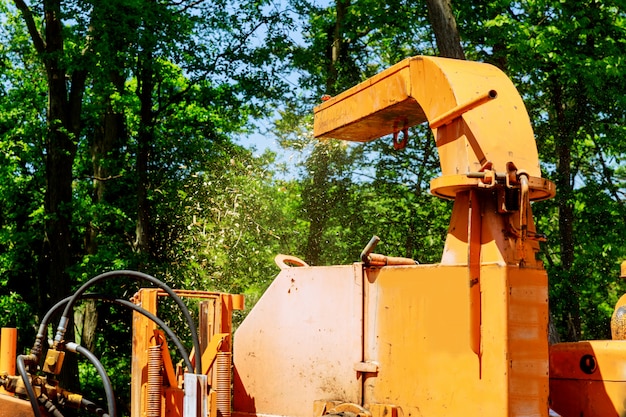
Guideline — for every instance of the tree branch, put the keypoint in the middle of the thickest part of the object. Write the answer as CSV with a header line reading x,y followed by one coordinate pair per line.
x,y
96,178
609,184
27,15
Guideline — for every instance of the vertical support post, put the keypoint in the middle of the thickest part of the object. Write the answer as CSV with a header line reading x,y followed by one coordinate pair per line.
x,y
143,331
195,400
207,327
8,348
474,239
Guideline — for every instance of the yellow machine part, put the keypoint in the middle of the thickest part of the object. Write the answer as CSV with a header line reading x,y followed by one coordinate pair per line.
x,y
417,329
474,111
466,337
397,336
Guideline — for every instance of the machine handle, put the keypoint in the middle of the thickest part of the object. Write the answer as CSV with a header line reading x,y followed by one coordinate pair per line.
x,y
375,259
369,248
288,261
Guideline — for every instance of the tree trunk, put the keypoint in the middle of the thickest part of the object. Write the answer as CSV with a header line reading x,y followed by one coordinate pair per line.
x,y
105,141
337,47
444,26
565,187
145,138
318,202
64,109
104,151
86,323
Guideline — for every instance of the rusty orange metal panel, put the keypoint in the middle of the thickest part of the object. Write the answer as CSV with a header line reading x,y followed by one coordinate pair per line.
x,y
417,330
14,407
526,337
588,378
300,343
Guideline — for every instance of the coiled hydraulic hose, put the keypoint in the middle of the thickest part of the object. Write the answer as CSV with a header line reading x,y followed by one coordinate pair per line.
x,y
34,401
130,305
49,406
106,381
63,322
91,406
74,347
69,303
21,368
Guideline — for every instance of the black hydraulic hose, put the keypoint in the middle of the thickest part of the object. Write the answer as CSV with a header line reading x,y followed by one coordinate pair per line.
x,y
92,358
91,406
128,304
168,331
21,367
63,322
108,387
49,406
62,327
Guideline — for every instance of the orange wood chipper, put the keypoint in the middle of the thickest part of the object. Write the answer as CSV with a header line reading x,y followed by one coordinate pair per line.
x,y
385,336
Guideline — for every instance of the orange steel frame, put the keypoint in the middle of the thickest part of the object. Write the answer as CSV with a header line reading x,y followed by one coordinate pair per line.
x,y
215,328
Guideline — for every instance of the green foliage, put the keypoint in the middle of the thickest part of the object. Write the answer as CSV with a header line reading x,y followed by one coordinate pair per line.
x,y
22,100
372,35
15,312
231,223
353,192
212,71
